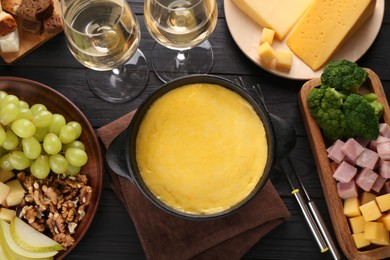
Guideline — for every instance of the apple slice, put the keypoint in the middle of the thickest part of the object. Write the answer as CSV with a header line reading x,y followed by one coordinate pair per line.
x,y
16,193
31,239
4,191
13,251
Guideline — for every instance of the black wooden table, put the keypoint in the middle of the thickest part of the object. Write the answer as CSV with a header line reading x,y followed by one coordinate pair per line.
x,y
112,234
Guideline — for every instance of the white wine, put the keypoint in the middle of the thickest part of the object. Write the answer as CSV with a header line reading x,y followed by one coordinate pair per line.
x,y
180,24
102,35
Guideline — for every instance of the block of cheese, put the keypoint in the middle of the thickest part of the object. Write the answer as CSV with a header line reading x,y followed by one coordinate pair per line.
x,y
266,52
267,35
357,224
386,221
360,241
370,211
325,26
373,230
383,202
279,15
351,207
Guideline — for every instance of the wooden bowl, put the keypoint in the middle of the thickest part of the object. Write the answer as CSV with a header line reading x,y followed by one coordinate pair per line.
x,y
325,172
34,92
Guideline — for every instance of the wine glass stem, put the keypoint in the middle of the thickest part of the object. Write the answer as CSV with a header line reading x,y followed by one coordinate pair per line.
x,y
119,71
181,58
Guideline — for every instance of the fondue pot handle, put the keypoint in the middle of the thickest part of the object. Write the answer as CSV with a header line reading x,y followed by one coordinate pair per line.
x,y
116,156
285,136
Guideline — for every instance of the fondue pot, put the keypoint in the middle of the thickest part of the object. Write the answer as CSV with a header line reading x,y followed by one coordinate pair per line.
x,y
121,154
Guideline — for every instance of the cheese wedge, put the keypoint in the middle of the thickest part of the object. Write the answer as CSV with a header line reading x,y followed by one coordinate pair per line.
x,y
279,15
325,26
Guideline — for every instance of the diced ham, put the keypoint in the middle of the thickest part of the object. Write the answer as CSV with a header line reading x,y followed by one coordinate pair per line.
x,y
345,172
378,184
384,168
373,144
384,130
347,190
367,159
363,142
352,149
384,150
335,153
366,179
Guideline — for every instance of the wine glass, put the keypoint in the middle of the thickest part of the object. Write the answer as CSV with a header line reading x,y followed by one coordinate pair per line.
x,y
104,36
181,29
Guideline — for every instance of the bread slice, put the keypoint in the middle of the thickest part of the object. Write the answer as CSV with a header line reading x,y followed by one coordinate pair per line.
x,y
35,10
11,6
10,42
7,23
53,24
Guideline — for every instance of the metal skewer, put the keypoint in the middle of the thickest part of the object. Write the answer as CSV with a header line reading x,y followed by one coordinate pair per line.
x,y
320,222
286,166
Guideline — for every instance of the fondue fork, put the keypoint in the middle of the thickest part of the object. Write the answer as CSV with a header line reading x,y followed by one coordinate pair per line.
x,y
311,206
310,211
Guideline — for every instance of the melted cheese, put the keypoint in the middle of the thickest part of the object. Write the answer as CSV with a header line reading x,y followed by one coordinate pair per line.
x,y
325,26
201,148
279,15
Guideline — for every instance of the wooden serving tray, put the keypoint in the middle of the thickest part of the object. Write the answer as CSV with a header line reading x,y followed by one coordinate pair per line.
x,y
325,172
29,41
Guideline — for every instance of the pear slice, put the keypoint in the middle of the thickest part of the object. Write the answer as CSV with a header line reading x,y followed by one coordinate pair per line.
x,y
31,239
13,251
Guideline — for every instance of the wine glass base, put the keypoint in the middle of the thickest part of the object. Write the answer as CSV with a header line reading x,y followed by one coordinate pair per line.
x,y
121,85
170,64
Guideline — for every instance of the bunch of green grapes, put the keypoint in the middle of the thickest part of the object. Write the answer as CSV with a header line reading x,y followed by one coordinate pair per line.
x,y
35,138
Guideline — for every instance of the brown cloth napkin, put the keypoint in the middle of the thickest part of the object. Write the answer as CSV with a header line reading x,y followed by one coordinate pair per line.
x,y
164,236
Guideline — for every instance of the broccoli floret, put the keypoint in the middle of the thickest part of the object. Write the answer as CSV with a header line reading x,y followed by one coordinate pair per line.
x,y
344,76
373,100
325,105
360,118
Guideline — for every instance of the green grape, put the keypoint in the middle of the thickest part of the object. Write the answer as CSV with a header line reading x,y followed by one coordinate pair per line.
x,y
23,104
76,157
2,135
40,168
58,163
5,164
38,107
19,161
42,118
3,94
40,133
74,144
67,134
77,126
23,128
11,140
31,148
56,124
72,170
8,113
9,99
24,113
52,143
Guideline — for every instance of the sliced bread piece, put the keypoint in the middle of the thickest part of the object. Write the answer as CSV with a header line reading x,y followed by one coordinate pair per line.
x,y
11,6
53,24
7,23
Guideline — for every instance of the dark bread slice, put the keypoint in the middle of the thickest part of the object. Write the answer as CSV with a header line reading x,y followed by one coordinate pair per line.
x,y
32,26
53,24
35,10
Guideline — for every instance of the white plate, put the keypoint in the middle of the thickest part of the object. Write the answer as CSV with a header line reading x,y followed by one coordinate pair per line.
x,y
246,33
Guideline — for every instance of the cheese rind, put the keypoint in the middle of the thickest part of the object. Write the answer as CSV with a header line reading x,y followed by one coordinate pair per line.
x,y
279,15
325,26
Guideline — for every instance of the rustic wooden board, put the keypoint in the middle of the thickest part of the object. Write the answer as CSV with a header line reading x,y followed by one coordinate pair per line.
x,y
29,41
325,172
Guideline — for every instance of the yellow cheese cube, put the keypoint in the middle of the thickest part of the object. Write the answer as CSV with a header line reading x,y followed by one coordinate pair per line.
x,y
279,15
267,35
357,224
351,207
373,230
383,239
370,211
284,59
386,221
383,202
266,52
367,197
325,26
360,241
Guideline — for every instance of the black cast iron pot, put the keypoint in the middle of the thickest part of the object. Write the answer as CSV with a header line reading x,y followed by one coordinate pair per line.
x,y
121,156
